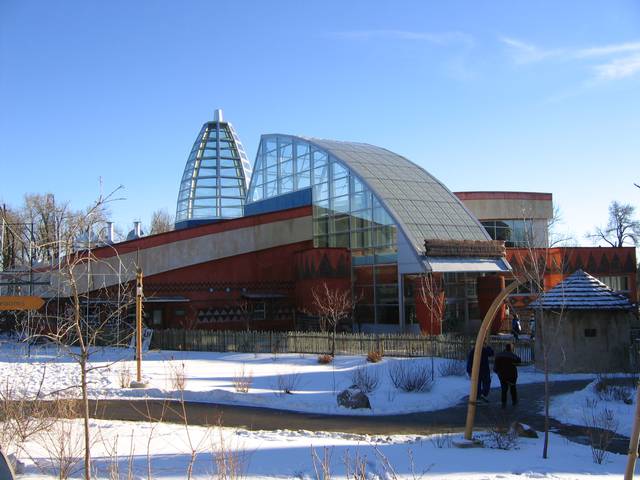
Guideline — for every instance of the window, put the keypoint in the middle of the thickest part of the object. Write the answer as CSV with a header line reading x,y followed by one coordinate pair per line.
x,y
616,283
590,332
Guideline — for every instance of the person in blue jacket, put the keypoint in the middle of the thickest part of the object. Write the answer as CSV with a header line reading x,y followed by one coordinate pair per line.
x,y
484,379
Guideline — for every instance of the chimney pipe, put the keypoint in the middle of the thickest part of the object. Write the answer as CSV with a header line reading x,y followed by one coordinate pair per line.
x,y
110,232
137,228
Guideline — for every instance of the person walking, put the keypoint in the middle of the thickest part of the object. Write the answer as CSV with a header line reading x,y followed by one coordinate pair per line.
x,y
516,327
484,379
506,367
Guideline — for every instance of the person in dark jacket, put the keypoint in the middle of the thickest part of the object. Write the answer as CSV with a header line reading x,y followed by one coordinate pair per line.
x,y
516,327
484,379
506,367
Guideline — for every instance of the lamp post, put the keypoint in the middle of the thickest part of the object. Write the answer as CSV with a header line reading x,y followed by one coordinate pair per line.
x,y
139,325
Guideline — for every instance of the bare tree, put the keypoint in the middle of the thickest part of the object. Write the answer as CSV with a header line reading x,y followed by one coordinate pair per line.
x,y
161,221
622,226
431,292
333,306
70,320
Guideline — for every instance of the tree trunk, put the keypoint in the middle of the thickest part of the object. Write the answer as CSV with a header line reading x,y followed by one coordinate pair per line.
x,y
85,414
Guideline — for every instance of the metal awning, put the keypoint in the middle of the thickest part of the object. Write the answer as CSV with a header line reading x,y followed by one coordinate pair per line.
x,y
177,299
466,264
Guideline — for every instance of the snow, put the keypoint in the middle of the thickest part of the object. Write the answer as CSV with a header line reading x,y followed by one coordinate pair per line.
x,y
166,450
209,377
572,408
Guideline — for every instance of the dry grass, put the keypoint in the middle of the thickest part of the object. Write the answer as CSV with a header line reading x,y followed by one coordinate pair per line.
x,y
325,359
178,377
374,356
242,380
124,376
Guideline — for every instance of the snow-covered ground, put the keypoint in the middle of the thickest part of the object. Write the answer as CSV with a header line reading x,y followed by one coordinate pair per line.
x,y
164,451
579,408
209,377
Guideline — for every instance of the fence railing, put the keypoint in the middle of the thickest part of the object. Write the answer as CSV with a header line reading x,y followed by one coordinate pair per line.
x,y
398,345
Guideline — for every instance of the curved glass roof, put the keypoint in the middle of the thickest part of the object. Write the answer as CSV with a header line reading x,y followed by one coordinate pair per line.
x,y
418,203
215,178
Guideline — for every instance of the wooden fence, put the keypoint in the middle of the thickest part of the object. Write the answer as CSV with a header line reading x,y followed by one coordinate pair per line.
x,y
397,345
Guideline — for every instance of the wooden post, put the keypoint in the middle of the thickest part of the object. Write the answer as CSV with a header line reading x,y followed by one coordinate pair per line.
x,y
139,325
477,353
633,441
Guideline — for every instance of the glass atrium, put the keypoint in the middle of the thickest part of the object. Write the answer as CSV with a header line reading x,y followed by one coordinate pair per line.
x,y
214,181
376,203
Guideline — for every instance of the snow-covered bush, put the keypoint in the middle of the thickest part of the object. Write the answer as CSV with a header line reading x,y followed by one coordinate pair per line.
x,y
411,376
609,389
365,378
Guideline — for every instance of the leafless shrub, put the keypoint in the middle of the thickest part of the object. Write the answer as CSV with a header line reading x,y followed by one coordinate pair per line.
x,y
20,417
452,368
63,442
500,435
242,380
178,377
355,466
441,440
124,376
325,359
230,460
374,356
609,389
365,378
287,383
601,425
412,376
322,465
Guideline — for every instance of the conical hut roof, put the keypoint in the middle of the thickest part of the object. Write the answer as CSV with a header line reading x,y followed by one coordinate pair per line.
x,y
581,291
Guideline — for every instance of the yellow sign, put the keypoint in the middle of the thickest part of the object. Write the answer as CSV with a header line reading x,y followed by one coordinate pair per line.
x,y
21,303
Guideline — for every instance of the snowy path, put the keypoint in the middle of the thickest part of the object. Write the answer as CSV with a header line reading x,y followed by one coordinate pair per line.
x,y
419,423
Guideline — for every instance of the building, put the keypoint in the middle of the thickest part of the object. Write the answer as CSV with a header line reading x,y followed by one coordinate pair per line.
x,y
587,326
351,215
521,220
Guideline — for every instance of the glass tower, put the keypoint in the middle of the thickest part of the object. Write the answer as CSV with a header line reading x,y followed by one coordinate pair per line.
x,y
215,178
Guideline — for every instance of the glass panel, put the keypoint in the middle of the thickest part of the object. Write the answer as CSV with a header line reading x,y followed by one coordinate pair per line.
x,y
341,186
387,314
363,276
230,182
271,189
270,152
341,204
258,193
207,182
286,184
321,209
386,274
231,202
321,242
361,239
319,159
286,168
320,175
271,173
358,222
339,170
231,212
364,314
363,294
340,224
286,150
340,240
321,192
386,294
321,226
303,180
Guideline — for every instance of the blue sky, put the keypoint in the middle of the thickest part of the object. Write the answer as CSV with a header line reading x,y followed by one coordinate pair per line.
x,y
531,96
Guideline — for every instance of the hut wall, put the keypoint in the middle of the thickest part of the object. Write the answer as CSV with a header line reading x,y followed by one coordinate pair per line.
x,y
573,348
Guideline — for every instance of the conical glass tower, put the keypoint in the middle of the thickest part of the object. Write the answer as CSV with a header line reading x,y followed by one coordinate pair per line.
x,y
215,178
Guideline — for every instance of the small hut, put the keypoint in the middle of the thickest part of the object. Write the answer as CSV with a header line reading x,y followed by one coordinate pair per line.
x,y
584,325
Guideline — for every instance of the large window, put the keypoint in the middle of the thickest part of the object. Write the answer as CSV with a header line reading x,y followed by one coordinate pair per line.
x,y
345,214
515,233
